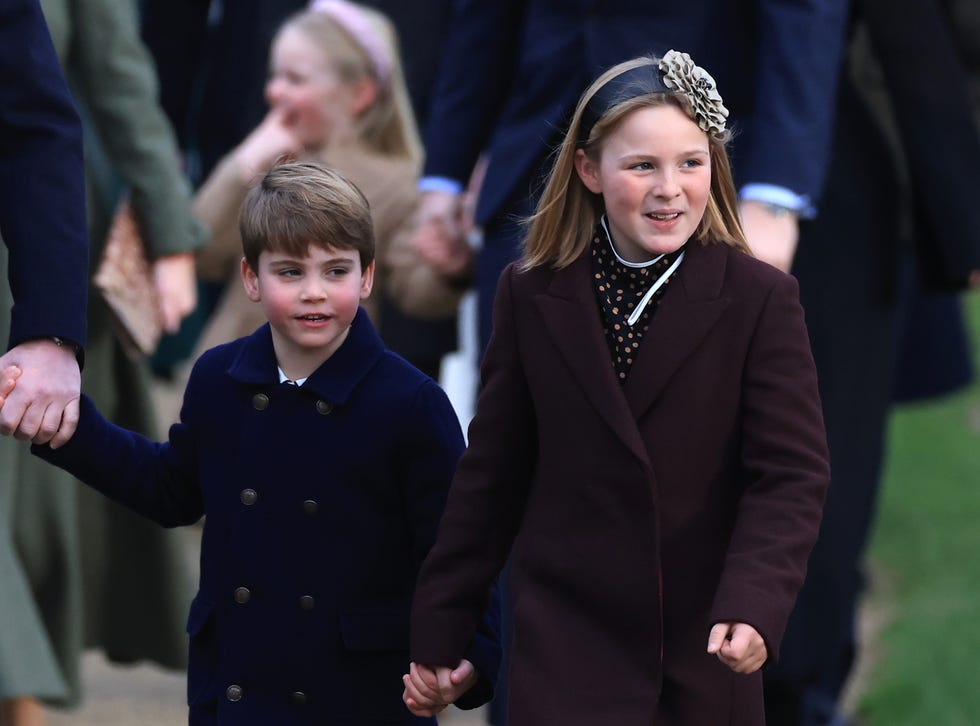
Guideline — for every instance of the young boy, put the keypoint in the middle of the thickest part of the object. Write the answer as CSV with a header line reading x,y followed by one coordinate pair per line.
x,y
322,462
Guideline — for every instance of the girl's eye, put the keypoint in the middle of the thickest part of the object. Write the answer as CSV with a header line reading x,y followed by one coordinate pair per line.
x,y
643,166
692,163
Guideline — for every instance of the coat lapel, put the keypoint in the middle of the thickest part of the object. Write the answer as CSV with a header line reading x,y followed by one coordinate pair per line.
x,y
572,320
687,312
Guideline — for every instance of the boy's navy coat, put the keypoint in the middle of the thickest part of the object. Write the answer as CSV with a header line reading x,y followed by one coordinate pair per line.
x,y
321,503
644,512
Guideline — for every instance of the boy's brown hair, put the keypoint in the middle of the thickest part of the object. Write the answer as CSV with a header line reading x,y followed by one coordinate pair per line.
x,y
299,204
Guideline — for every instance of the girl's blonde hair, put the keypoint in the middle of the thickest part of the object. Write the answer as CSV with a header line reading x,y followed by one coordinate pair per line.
x,y
388,125
564,222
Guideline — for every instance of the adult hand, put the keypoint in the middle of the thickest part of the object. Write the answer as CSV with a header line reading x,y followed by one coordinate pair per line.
x,y
439,235
43,406
738,645
772,236
176,286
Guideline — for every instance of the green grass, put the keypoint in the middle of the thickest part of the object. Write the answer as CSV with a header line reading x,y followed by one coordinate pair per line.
x,y
925,560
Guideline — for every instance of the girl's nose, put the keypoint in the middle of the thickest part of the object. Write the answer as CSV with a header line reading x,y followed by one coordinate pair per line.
x,y
273,91
666,185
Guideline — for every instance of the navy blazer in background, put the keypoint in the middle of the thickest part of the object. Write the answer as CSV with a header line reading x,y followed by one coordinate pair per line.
x,y
321,503
514,69
42,192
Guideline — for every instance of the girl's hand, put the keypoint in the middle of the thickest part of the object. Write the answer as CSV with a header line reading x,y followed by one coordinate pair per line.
x,y
176,286
271,140
739,646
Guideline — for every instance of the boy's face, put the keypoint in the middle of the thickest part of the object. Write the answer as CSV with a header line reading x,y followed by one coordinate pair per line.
x,y
309,301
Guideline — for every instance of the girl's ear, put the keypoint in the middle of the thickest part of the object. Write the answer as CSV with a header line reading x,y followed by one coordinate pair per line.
x,y
587,172
363,95
251,282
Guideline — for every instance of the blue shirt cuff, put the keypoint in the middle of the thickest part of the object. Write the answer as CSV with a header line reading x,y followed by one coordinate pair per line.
x,y
780,197
440,184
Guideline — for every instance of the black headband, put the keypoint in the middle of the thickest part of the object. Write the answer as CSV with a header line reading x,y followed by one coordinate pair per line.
x,y
629,84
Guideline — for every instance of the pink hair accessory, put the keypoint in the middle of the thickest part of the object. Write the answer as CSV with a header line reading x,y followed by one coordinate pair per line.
x,y
357,24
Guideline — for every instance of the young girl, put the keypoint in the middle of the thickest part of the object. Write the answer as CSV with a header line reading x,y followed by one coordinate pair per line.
x,y
337,95
648,436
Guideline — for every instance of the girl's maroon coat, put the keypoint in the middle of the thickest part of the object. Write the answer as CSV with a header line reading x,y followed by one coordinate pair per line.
x,y
641,514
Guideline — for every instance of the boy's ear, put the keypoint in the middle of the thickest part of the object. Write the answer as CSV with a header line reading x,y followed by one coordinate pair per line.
x,y
250,280
367,280
587,172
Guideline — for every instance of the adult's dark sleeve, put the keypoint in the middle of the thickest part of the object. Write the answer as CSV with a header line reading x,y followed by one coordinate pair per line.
x,y
930,94
42,192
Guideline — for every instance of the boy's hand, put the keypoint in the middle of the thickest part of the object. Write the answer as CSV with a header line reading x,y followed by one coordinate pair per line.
x,y
8,379
429,690
739,646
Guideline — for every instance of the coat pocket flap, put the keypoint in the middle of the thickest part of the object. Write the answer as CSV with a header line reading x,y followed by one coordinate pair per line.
x,y
201,610
375,632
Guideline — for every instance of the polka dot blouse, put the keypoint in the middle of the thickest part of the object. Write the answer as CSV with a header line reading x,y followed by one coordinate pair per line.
x,y
619,289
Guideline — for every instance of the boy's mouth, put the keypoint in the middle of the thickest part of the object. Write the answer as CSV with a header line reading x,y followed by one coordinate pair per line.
x,y
313,318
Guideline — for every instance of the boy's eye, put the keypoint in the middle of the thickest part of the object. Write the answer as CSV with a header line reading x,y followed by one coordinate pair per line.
x,y
289,272
337,271
642,166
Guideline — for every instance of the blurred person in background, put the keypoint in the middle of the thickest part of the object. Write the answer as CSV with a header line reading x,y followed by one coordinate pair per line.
x,y
899,229
76,550
337,95
213,61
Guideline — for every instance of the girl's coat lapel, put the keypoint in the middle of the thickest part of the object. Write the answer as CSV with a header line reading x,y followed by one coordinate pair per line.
x,y
690,308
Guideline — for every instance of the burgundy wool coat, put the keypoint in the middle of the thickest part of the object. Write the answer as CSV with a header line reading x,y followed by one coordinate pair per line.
x,y
640,514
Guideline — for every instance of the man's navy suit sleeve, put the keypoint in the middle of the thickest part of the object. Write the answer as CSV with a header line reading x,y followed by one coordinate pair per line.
x,y
798,56
474,80
42,192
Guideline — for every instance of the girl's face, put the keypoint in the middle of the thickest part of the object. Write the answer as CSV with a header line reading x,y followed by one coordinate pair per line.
x,y
303,83
654,175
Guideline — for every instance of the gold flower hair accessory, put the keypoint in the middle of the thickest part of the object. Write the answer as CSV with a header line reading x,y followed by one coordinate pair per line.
x,y
682,75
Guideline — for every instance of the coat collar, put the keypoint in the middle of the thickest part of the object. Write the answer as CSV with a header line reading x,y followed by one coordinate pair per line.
x,y
335,379
684,317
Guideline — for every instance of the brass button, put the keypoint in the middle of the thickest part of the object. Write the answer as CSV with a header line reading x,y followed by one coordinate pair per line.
x,y
324,407
299,698
242,595
260,402
249,497
310,506
234,693
306,602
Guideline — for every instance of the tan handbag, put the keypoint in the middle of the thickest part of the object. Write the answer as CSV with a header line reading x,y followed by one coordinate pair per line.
x,y
124,277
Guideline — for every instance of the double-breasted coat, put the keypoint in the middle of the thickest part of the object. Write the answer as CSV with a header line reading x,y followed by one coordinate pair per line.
x,y
640,514
321,502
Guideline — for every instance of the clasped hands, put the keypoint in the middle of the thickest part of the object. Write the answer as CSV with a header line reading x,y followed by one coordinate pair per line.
x,y
428,690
